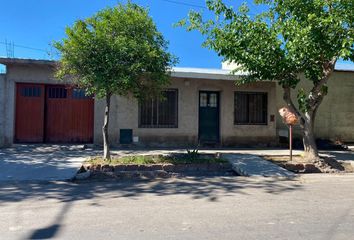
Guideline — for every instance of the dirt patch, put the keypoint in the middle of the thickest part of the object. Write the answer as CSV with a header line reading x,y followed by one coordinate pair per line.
x,y
157,166
348,167
322,144
151,171
299,165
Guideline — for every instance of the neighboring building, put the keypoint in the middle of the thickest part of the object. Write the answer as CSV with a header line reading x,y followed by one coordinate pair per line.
x,y
201,105
335,116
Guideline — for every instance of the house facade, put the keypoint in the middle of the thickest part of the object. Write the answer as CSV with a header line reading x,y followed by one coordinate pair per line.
x,y
200,106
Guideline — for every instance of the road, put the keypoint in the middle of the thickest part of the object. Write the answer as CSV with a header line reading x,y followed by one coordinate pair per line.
x,y
311,207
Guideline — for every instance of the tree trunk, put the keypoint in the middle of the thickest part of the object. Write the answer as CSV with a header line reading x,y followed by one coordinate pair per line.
x,y
309,141
307,126
106,151
307,121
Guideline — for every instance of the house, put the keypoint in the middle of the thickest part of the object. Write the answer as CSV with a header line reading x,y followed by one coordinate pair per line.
x,y
201,105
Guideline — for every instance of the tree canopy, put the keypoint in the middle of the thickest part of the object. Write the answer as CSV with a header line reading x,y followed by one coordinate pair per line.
x,y
117,51
291,37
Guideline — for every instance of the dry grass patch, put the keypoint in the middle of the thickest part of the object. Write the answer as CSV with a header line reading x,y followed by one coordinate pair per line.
x,y
157,159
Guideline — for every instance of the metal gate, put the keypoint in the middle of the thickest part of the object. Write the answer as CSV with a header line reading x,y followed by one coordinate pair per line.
x,y
66,115
29,113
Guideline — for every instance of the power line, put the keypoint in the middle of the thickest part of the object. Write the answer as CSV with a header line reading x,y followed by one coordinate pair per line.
x,y
26,47
184,4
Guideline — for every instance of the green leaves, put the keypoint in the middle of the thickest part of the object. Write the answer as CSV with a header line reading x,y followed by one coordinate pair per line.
x,y
290,37
117,51
302,100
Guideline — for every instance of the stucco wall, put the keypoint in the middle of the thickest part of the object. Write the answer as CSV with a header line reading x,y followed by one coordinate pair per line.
x,y
124,114
21,74
335,118
2,111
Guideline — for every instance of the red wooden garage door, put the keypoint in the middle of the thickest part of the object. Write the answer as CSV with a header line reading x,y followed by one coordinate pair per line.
x,y
29,113
53,114
69,115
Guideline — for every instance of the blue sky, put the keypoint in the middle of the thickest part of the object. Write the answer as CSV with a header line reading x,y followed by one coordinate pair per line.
x,y
36,23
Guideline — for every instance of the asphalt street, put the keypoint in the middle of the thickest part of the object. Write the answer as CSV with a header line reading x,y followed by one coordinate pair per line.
x,y
311,207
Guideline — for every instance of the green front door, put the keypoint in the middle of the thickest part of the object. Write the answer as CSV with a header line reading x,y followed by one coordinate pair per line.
x,y
208,117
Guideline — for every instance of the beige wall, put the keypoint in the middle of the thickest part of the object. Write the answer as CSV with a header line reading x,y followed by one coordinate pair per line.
x,y
2,110
124,114
335,119
29,73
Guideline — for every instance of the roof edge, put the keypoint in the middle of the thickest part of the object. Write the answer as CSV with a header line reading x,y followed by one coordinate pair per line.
x,y
176,71
20,61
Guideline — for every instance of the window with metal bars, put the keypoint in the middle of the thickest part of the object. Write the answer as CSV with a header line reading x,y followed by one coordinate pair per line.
x,y
250,108
57,92
31,91
160,112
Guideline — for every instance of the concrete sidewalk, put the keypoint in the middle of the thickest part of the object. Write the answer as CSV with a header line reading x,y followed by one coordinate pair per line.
x,y
60,162
255,166
41,162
